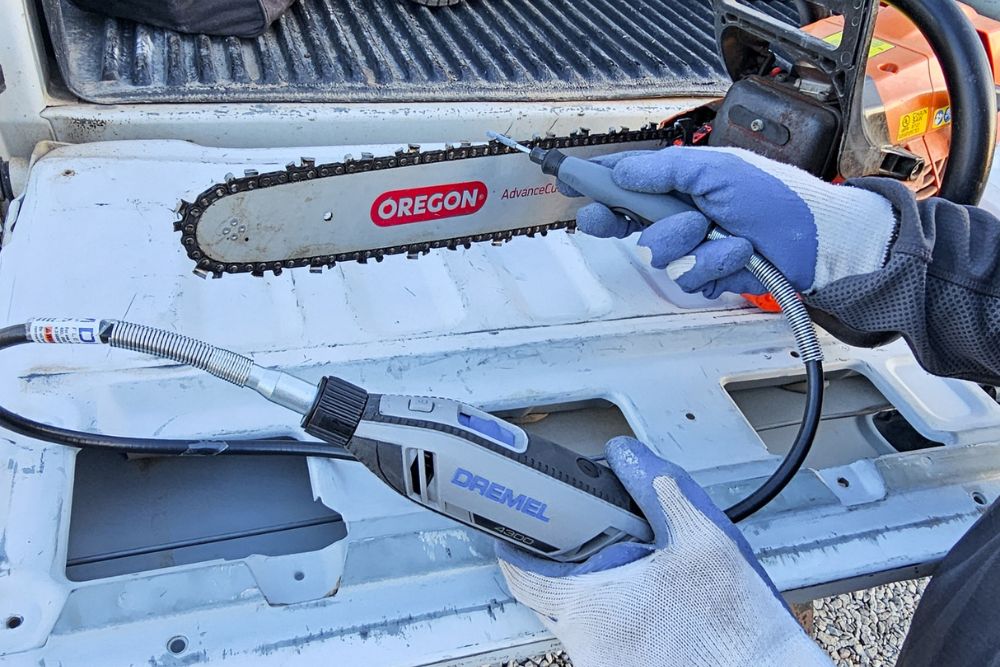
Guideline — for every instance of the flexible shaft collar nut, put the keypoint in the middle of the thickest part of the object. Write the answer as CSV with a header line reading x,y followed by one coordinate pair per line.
x,y
337,411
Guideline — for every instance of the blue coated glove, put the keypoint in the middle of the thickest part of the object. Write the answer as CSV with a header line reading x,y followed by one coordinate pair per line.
x,y
695,597
812,231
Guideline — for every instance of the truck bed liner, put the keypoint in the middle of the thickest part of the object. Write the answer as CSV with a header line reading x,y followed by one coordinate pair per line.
x,y
396,51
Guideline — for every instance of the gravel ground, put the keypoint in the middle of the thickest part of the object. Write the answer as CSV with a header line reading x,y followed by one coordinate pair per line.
x,y
548,660
865,628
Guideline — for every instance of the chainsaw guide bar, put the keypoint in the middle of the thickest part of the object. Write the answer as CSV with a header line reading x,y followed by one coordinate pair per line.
x,y
319,219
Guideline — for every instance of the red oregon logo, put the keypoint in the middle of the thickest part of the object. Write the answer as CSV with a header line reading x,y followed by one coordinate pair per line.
x,y
401,207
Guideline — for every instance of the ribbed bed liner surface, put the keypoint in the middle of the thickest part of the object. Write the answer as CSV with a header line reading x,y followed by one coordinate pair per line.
x,y
398,51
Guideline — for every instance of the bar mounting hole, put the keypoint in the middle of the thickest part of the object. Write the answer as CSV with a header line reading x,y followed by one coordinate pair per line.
x,y
843,481
14,621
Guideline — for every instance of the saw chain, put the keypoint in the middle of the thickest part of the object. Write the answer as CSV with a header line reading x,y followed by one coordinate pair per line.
x,y
191,213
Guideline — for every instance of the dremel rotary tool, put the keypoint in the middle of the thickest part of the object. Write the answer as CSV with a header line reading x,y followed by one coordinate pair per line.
x,y
480,470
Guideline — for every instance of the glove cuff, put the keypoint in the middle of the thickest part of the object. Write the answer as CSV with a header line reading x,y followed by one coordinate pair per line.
x,y
795,648
854,230
854,227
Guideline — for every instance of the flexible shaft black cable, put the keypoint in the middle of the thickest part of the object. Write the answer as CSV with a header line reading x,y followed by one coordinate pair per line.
x,y
16,335
793,460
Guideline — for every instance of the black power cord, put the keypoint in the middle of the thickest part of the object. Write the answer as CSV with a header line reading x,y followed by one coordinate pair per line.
x,y
795,457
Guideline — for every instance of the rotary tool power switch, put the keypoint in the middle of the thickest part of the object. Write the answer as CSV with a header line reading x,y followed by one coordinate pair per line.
x,y
480,470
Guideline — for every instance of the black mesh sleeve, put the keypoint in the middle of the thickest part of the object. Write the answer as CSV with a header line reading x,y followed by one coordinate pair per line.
x,y
957,618
939,289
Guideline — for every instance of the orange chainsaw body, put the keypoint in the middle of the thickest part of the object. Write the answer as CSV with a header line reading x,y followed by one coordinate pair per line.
x,y
913,109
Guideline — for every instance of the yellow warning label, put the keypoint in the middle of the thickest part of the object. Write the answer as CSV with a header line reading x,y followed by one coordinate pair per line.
x,y
878,46
942,117
913,123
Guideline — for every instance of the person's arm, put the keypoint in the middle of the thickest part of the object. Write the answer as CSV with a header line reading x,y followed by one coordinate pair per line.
x,y
957,619
866,253
945,271
940,287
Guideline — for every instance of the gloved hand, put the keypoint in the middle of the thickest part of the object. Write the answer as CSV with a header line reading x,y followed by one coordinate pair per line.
x,y
697,596
812,231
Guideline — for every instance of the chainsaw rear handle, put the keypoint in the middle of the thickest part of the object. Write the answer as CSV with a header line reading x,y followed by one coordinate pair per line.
x,y
480,470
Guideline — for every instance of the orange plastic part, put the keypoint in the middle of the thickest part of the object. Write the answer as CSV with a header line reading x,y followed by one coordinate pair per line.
x,y
765,302
914,103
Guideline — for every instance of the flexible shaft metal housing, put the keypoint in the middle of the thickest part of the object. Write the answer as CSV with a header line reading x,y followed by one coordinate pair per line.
x,y
787,298
221,363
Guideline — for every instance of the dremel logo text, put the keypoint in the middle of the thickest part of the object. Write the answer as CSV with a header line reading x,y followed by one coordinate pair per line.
x,y
499,493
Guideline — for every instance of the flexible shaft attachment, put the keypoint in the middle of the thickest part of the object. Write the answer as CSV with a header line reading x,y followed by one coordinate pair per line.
x,y
220,362
276,386
787,298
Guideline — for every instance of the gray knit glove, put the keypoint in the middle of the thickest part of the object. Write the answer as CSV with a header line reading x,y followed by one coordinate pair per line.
x,y
812,231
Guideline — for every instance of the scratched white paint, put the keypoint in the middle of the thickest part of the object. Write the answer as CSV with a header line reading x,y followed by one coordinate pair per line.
x,y
437,542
